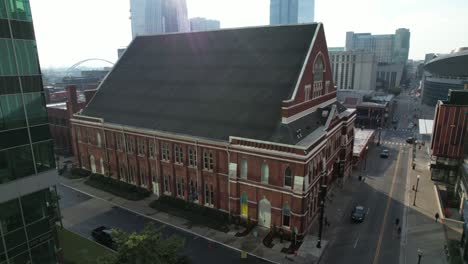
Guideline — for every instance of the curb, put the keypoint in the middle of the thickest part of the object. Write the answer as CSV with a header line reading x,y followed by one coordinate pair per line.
x,y
168,224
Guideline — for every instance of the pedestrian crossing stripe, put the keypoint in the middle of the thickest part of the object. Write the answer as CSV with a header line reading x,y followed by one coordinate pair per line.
x,y
391,143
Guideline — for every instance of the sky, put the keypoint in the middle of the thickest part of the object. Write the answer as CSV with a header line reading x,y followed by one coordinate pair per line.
x,y
69,31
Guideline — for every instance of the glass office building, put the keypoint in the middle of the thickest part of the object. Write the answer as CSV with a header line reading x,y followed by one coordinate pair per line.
x,y
27,207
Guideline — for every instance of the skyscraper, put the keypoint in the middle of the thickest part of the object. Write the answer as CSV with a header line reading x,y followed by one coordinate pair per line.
x,y
27,206
158,16
291,11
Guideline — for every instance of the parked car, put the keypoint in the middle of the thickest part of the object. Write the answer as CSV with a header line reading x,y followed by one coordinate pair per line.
x,y
410,140
384,154
394,121
103,236
358,214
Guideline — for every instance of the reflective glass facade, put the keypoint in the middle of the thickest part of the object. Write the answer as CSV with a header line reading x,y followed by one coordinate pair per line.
x,y
26,228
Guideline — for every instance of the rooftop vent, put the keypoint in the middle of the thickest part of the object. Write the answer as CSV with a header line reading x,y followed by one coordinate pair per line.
x,y
299,133
324,113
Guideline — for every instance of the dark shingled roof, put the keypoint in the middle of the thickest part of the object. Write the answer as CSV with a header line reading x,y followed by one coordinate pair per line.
x,y
212,84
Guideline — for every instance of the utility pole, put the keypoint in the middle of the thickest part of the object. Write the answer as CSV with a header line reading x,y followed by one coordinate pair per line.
x,y
419,256
416,191
323,194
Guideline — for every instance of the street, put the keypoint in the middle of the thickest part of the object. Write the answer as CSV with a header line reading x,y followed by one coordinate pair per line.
x,y
83,213
382,193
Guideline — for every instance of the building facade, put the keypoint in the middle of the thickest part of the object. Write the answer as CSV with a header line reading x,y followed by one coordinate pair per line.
x,y
291,11
443,73
253,146
27,217
449,130
158,16
354,70
389,48
59,119
389,76
201,24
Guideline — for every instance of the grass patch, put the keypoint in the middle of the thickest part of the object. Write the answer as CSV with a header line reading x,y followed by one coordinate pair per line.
x,y
118,188
454,252
79,250
194,213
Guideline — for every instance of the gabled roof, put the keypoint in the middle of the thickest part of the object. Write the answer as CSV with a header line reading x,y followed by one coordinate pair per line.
x,y
212,84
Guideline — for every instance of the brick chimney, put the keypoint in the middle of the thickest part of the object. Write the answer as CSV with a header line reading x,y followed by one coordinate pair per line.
x,y
72,100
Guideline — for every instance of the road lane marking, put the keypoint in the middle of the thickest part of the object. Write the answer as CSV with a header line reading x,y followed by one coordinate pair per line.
x,y
357,240
389,199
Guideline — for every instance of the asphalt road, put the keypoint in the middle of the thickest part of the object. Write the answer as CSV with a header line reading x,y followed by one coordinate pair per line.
x,y
85,213
382,194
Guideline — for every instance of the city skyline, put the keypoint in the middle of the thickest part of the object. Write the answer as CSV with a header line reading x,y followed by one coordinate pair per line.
x,y
65,38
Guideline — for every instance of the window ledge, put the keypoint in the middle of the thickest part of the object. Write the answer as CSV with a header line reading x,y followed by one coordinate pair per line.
x,y
167,193
209,205
179,163
166,161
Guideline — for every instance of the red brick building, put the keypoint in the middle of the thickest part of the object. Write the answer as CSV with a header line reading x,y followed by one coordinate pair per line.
x,y
450,128
59,119
242,120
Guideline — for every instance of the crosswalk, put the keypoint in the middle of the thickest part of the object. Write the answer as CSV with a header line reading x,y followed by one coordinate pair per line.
x,y
391,143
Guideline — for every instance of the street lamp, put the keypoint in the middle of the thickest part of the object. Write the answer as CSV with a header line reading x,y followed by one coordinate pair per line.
x,y
380,131
419,256
323,194
416,191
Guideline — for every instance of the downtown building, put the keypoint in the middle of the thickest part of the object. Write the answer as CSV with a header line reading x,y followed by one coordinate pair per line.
x,y
444,72
28,204
203,24
235,124
158,16
391,51
291,11
354,70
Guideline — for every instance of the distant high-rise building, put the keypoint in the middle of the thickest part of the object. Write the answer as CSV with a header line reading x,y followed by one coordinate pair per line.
x,y
389,48
202,24
28,209
291,11
353,70
158,16
391,51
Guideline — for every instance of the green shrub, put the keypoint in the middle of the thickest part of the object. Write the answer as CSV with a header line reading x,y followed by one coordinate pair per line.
x,y
79,173
116,187
197,214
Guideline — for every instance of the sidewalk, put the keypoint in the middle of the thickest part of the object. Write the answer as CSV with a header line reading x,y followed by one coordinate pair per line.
x,y
251,244
420,230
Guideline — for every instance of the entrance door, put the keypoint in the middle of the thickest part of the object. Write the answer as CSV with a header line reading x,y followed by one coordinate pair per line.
x,y
156,188
264,213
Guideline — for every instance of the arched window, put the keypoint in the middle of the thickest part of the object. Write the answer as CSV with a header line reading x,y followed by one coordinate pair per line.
x,y
98,138
318,69
102,166
265,173
243,172
244,205
288,177
286,214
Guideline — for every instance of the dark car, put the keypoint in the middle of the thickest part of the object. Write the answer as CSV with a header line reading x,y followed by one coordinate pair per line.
x,y
358,214
394,121
103,236
410,140
384,153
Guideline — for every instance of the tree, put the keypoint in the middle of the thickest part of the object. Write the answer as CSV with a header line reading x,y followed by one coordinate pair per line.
x,y
148,246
